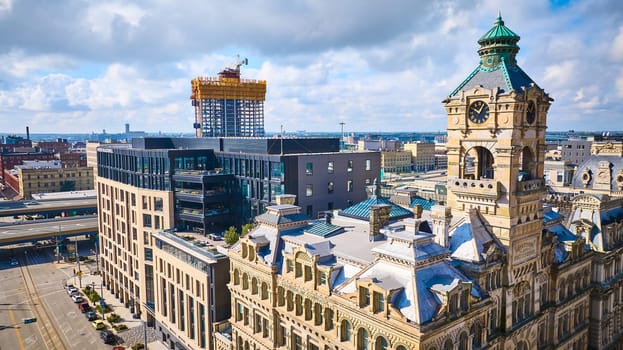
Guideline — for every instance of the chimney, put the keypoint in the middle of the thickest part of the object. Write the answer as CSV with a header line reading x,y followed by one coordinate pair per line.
x,y
285,199
27,133
441,217
327,217
417,211
379,218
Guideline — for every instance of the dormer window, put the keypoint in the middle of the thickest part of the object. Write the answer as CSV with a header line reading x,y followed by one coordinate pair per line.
x,y
364,297
308,273
379,302
299,269
322,279
289,265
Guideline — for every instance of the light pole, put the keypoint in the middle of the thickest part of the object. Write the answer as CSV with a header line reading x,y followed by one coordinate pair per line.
x,y
342,139
79,273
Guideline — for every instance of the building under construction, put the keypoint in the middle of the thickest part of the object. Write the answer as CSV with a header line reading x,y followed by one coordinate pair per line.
x,y
227,105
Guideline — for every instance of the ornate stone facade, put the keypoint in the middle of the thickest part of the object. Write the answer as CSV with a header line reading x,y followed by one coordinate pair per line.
x,y
492,270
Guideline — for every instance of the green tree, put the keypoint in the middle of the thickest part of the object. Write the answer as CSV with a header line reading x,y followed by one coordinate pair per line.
x,y
246,228
231,236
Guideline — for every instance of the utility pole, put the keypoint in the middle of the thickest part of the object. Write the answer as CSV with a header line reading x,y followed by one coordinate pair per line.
x,y
342,139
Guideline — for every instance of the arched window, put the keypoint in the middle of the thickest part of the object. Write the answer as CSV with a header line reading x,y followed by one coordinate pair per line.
x,y
527,171
381,344
236,277
400,347
254,285
477,335
447,345
463,341
281,300
245,281
363,342
346,331
521,346
264,290
478,164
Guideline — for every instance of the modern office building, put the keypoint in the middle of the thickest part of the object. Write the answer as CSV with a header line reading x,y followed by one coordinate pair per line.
x,y
493,269
228,105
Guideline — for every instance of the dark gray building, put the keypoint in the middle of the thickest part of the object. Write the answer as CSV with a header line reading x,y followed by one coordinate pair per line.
x,y
313,169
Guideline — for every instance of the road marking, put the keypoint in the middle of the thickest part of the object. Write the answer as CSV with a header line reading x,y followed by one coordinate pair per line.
x,y
30,340
16,327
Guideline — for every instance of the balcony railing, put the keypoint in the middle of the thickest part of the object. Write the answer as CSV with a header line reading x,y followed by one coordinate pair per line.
x,y
531,185
483,189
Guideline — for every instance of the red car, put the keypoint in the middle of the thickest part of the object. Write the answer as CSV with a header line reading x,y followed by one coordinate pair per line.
x,y
84,307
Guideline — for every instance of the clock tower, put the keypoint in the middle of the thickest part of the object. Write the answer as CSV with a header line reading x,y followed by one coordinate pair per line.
x,y
496,147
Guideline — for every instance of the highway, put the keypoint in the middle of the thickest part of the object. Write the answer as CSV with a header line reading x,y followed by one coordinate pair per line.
x,y
27,231
54,207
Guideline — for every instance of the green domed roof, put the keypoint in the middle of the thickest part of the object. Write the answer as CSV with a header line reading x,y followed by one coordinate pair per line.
x,y
499,31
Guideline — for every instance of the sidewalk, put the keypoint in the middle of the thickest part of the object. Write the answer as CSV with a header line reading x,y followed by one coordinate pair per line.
x,y
135,332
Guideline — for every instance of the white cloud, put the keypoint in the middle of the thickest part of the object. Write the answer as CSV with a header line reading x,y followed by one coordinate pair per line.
x,y
616,51
17,63
101,18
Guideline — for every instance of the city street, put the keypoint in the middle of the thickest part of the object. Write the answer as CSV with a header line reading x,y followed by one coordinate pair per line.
x,y
67,322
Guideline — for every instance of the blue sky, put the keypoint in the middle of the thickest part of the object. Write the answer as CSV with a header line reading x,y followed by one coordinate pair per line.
x,y
84,66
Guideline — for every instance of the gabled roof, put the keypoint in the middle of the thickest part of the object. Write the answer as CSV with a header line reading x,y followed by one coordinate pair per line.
x,y
361,210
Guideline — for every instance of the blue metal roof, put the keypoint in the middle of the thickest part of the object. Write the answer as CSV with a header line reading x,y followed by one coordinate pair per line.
x,y
361,210
322,229
425,203
550,216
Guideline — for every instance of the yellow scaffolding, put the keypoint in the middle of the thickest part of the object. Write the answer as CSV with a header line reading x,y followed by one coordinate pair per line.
x,y
228,88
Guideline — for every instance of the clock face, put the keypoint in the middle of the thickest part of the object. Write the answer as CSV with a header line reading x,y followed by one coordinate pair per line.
x,y
531,113
478,112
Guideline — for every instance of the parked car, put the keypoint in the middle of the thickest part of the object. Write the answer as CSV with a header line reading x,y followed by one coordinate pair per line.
x,y
90,315
98,324
14,262
71,289
107,337
77,298
84,307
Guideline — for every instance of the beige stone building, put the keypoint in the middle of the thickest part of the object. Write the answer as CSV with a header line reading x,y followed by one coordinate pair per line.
x,y
396,161
31,180
422,155
493,269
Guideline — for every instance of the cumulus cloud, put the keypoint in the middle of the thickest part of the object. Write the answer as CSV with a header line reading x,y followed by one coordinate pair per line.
x,y
378,66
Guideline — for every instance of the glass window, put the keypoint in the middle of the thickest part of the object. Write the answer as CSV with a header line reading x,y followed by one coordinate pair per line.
x,y
309,190
158,204
146,220
346,331
368,164
330,186
330,166
349,168
309,168
362,339
349,186
364,295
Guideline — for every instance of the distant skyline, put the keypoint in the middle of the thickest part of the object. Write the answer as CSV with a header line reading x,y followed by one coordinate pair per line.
x,y
84,66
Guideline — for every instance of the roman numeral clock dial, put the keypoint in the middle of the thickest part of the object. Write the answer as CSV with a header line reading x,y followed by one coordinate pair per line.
x,y
478,112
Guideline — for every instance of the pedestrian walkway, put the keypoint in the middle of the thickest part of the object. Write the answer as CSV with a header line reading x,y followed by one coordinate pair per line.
x,y
136,332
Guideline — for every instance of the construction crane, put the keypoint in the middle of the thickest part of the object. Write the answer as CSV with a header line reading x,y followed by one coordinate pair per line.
x,y
233,71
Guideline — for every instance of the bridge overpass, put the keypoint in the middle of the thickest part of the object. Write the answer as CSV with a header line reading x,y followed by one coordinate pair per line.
x,y
39,230
48,209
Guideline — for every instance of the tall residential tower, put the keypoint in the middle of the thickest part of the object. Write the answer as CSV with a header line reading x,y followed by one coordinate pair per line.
x,y
227,105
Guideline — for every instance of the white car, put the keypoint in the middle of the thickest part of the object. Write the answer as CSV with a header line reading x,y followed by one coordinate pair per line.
x,y
76,298
71,290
